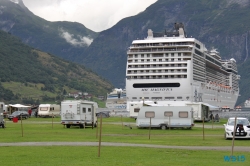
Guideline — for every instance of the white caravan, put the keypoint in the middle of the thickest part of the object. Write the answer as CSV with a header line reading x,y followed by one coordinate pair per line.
x,y
46,110
2,110
165,116
78,113
200,109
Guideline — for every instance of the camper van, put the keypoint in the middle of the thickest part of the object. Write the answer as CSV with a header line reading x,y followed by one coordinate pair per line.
x,y
78,113
165,117
47,110
2,109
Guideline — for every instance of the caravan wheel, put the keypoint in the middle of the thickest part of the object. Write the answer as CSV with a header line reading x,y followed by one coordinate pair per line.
x,y
163,127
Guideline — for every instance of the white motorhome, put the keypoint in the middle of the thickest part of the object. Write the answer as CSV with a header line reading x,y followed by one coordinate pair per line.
x,y
46,110
165,116
78,113
2,110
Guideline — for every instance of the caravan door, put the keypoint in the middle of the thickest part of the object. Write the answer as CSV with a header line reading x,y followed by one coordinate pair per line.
x,y
86,113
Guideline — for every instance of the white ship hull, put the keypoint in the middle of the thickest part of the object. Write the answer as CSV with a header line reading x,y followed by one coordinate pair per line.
x,y
188,91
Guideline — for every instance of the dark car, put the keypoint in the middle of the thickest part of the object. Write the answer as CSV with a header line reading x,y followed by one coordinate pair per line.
x,y
19,114
105,114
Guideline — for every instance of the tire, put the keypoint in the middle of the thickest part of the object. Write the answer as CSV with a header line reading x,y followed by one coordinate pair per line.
x,y
67,125
163,127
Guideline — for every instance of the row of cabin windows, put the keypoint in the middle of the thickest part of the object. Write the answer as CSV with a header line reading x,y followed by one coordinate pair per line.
x,y
157,77
158,60
158,98
158,65
158,55
151,114
157,71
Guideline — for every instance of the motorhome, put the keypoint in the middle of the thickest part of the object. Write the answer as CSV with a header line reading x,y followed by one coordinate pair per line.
x,y
2,109
165,117
78,113
48,110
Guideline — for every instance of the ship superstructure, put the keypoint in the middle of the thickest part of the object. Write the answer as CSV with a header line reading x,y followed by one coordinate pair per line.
x,y
169,66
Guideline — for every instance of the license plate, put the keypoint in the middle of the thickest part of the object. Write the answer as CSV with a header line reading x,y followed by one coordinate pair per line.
x,y
70,122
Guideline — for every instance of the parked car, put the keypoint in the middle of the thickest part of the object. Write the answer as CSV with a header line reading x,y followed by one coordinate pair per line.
x,y
18,114
242,128
105,114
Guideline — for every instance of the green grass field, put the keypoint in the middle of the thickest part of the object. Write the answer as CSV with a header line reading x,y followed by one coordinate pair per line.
x,y
40,130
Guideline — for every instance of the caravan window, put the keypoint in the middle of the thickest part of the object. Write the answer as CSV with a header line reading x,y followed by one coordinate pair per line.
x,y
52,108
136,109
83,110
43,108
150,114
89,109
183,114
168,113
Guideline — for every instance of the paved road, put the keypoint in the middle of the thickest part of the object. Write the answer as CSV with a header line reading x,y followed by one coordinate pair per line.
x,y
219,148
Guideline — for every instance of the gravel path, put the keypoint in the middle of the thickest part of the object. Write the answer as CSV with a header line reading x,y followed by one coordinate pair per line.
x,y
219,148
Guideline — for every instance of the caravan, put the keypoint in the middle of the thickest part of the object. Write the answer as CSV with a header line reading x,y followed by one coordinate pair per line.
x,y
78,113
201,110
47,110
165,117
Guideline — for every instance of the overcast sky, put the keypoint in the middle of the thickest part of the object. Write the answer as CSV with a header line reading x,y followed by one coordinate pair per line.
x,y
96,15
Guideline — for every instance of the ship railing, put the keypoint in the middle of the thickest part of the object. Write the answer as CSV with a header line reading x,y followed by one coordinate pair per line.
x,y
156,45
159,50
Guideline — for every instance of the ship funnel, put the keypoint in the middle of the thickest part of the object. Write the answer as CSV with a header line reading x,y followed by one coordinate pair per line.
x,y
150,33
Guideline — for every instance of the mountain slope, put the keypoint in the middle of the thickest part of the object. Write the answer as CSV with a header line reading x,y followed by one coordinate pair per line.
x,y
21,63
64,39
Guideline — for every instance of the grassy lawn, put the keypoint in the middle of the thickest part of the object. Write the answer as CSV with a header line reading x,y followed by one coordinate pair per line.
x,y
40,130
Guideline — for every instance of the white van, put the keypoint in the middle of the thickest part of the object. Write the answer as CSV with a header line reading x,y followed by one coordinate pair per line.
x,y
165,116
78,113
47,110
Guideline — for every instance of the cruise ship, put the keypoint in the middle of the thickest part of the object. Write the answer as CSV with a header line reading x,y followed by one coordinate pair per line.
x,y
116,100
169,66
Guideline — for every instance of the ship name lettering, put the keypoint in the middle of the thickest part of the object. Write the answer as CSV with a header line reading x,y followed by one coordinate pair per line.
x,y
161,89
